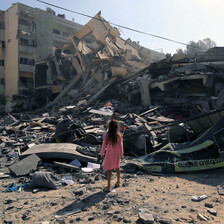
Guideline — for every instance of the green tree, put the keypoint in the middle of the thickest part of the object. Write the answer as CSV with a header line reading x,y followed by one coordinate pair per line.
x,y
199,46
180,51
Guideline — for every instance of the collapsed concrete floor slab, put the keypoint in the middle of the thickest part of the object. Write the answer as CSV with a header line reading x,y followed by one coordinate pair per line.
x,y
58,151
25,166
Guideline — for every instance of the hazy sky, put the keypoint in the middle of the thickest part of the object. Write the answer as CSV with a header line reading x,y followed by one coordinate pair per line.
x,y
181,20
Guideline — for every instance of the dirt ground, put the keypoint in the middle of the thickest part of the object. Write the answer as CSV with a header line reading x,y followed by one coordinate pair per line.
x,y
167,198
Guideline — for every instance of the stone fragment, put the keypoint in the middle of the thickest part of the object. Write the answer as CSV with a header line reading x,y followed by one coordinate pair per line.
x,y
79,192
126,220
78,219
208,205
9,201
146,218
212,211
110,213
164,221
202,217
10,207
9,221
91,218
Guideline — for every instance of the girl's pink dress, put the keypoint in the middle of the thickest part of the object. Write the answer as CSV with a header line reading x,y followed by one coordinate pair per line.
x,y
113,153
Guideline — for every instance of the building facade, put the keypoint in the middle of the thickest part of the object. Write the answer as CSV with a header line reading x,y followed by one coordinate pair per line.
x,y
26,34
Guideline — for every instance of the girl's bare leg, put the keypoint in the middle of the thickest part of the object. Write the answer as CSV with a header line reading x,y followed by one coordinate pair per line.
x,y
118,176
109,172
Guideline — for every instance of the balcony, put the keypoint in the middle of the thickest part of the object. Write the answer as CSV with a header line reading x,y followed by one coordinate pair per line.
x,y
26,68
59,38
31,29
27,49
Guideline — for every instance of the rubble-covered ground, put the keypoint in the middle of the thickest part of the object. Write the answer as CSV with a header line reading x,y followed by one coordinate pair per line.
x,y
143,196
167,198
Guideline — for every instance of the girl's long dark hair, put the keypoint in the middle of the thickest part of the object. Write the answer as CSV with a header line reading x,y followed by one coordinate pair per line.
x,y
114,129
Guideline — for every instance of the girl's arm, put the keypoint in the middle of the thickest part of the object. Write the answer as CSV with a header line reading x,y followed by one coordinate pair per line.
x,y
104,145
121,148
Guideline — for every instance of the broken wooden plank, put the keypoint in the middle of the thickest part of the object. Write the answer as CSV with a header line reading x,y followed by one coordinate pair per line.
x,y
4,175
140,118
161,119
104,113
66,166
148,111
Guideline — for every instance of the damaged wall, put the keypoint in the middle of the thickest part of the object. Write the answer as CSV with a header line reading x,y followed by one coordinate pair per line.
x,y
11,52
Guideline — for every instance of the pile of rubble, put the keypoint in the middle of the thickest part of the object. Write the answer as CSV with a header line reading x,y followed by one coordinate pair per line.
x,y
98,75
97,65
90,66
183,85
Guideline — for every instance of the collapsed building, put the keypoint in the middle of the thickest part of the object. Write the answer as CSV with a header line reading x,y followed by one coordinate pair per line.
x,y
32,47
94,57
98,64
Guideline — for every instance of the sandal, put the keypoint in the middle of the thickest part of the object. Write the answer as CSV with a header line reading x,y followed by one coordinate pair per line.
x,y
106,189
118,185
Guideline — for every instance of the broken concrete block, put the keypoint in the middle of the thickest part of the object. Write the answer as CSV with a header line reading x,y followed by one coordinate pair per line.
x,y
56,88
145,94
99,76
212,211
128,54
146,218
10,120
118,71
81,103
25,166
77,66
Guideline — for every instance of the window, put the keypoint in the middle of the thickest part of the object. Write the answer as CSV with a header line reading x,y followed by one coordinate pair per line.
x,y
65,34
23,61
2,82
2,63
31,61
23,22
2,25
34,43
26,61
3,44
56,31
26,81
24,41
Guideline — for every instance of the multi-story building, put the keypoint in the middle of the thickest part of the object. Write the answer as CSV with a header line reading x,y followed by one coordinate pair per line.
x,y
26,34
2,53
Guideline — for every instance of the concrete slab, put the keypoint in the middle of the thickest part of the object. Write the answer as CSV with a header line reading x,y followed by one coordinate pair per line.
x,y
25,166
58,151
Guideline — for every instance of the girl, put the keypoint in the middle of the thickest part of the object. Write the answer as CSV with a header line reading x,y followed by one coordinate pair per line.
x,y
114,143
